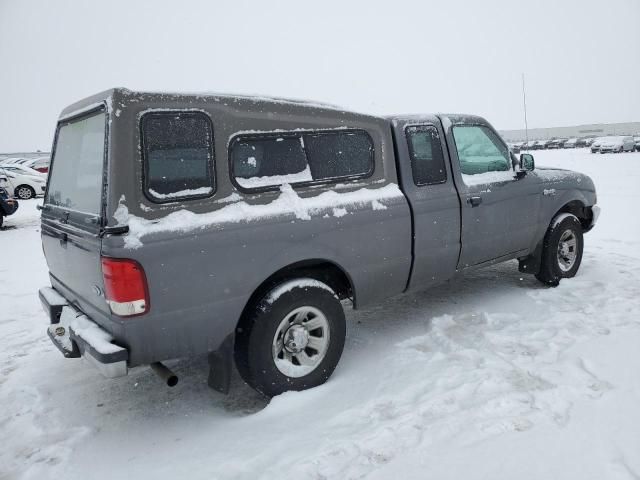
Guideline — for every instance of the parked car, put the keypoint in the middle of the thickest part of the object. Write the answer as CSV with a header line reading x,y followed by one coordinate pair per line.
x,y
542,144
21,168
595,145
40,164
617,144
235,226
12,160
23,186
637,143
574,143
515,147
556,143
530,145
571,143
8,205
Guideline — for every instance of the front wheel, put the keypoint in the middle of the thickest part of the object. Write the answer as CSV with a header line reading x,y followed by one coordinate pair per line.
x,y
292,338
25,192
562,250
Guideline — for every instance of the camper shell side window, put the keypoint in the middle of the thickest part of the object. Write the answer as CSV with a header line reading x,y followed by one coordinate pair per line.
x,y
177,155
264,161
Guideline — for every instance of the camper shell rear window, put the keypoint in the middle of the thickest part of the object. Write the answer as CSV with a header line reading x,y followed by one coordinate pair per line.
x,y
77,165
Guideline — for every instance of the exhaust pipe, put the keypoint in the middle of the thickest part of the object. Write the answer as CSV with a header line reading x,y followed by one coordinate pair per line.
x,y
170,378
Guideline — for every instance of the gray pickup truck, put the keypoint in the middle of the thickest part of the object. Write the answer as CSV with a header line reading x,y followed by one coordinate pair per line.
x,y
176,225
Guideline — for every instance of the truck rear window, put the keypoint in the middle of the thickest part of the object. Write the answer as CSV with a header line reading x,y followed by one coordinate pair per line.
x,y
427,160
75,179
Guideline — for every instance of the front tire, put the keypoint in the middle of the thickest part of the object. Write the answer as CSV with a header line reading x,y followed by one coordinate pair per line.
x,y
25,192
562,250
291,338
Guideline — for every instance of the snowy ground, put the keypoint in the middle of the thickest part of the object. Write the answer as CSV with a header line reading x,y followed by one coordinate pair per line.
x,y
492,376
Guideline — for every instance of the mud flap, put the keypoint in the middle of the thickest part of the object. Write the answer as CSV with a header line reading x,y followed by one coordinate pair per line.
x,y
531,263
220,365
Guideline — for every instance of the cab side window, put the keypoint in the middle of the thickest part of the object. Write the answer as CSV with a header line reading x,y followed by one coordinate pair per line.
x,y
427,159
480,150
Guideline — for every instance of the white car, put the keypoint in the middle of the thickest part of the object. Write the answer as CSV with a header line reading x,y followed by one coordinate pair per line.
x,y
23,169
617,144
40,164
22,185
12,160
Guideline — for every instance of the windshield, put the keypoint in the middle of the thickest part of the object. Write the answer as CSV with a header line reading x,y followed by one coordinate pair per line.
x,y
75,181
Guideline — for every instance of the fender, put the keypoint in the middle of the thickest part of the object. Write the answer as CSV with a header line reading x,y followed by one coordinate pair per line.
x,y
571,200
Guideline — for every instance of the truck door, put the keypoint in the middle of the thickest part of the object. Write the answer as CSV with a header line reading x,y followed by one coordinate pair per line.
x,y
425,176
499,210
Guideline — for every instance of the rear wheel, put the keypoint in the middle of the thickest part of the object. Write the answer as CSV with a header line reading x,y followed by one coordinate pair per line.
x,y
562,250
292,338
1,219
25,192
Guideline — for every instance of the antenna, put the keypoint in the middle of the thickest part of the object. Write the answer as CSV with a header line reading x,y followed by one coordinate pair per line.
x,y
524,103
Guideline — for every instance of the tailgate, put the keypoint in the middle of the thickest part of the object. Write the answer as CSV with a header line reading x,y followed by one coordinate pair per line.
x,y
72,214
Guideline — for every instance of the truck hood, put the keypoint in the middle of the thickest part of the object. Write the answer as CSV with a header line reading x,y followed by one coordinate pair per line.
x,y
566,179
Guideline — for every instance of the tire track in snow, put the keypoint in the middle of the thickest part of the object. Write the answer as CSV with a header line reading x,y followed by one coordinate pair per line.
x,y
481,374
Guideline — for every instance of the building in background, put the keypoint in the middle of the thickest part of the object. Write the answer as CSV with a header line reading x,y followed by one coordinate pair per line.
x,y
592,130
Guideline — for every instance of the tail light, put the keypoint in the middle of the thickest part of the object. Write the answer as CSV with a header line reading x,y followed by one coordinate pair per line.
x,y
125,286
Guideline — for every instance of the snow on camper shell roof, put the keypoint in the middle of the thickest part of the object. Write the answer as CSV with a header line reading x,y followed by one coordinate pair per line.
x,y
107,95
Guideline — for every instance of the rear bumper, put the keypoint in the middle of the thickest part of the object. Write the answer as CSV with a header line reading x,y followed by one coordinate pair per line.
x,y
75,335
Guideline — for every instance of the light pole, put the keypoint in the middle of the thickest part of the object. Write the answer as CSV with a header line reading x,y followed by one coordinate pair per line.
x,y
524,103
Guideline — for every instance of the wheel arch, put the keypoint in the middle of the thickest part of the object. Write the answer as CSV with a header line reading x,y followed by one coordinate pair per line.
x,y
579,209
323,270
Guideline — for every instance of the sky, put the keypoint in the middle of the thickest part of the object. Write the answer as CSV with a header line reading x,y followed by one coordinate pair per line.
x,y
581,59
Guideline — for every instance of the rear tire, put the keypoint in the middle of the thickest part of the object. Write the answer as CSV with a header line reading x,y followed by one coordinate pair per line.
x,y
562,250
291,338
1,219
25,192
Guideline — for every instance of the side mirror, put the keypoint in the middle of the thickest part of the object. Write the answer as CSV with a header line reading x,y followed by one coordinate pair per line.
x,y
526,162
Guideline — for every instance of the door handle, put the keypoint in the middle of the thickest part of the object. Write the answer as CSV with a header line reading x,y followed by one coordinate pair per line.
x,y
474,201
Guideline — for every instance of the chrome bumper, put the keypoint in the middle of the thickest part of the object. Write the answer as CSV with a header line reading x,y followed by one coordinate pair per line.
x,y
75,335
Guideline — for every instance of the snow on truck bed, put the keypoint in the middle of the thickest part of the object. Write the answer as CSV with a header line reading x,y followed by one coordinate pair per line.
x,y
491,376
